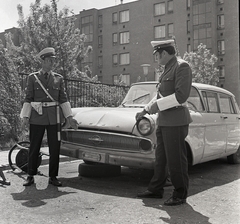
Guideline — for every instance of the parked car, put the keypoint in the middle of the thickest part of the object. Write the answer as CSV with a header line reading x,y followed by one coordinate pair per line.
x,y
111,135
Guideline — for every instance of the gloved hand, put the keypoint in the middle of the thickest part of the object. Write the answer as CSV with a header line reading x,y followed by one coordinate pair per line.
x,y
139,115
25,123
153,108
73,123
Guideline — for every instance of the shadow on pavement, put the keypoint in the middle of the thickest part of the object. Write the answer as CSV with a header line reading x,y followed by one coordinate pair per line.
x,y
177,214
201,177
34,197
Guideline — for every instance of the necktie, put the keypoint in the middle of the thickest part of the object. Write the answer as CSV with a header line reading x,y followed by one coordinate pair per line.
x,y
46,75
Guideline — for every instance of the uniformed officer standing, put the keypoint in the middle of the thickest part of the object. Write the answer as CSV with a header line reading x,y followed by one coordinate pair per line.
x,y
173,123
45,94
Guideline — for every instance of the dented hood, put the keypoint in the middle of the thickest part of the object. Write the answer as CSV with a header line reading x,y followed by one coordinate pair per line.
x,y
106,118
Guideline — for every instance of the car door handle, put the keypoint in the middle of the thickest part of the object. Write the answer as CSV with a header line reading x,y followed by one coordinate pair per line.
x,y
224,117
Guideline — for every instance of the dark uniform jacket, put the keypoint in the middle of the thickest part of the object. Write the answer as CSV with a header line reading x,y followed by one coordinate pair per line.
x,y
34,93
176,78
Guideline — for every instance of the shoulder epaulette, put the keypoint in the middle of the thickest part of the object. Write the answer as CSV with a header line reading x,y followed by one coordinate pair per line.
x,y
56,74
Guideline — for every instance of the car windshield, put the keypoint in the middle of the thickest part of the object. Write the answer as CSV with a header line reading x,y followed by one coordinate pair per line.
x,y
140,94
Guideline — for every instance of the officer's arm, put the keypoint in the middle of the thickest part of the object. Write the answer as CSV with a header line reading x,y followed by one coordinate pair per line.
x,y
27,108
183,81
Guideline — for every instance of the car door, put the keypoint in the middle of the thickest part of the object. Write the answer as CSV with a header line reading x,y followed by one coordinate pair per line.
x,y
231,119
215,127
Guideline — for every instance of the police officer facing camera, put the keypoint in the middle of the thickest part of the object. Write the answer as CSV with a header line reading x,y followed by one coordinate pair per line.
x,y
173,123
45,107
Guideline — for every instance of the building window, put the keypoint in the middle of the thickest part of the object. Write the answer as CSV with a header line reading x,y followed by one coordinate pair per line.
x,y
202,34
170,6
115,59
170,29
195,20
100,61
124,16
159,9
220,1
115,38
100,21
124,38
86,19
159,31
88,31
221,47
188,4
124,59
220,19
100,41
87,62
126,79
188,26
114,17
221,71
122,77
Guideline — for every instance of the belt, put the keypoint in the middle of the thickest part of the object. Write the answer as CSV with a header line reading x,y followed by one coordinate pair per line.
x,y
49,104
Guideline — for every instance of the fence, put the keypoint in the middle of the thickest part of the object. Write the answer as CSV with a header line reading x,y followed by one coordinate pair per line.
x,y
89,94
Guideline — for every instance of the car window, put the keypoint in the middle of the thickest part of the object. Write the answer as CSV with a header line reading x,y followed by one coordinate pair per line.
x,y
194,101
211,101
140,94
226,104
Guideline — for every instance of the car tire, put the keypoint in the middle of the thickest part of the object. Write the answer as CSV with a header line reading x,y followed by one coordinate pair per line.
x,y
234,158
98,170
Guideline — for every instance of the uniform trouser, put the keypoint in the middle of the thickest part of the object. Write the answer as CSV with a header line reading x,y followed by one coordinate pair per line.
x,y
171,157
36,136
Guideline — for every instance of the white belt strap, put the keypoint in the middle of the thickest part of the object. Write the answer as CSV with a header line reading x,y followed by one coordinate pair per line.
x,y
39,82
49,104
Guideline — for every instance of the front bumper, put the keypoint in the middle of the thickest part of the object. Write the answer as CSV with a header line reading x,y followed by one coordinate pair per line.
x,y
121,159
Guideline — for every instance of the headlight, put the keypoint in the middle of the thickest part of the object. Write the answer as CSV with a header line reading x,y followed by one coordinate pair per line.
x,y
145,126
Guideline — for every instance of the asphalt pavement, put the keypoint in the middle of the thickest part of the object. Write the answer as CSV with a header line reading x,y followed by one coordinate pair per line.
x,y
214,197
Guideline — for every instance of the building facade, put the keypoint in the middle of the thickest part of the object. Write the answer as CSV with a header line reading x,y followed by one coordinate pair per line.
x,y
121,36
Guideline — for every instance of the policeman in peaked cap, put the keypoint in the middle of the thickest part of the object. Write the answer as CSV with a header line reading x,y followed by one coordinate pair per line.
x,y
157,45
45,107
47,52
173,122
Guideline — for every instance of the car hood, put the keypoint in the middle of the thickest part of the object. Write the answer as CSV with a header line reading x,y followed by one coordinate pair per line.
x,y
106,118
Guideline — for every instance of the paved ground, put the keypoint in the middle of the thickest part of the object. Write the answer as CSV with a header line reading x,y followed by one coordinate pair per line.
x,y
214,198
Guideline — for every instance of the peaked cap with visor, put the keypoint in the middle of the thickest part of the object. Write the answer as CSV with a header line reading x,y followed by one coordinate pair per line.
x,y
160,45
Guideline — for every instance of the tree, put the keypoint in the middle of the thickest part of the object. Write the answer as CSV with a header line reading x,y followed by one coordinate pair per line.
x,y
203,65
10,91
46,27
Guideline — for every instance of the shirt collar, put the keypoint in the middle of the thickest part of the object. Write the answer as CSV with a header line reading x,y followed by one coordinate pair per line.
x,y
43,72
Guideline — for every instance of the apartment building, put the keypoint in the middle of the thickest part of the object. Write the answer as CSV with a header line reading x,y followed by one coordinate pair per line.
x,y
121,36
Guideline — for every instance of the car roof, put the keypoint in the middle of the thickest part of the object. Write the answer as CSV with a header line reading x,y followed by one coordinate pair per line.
x,y
199,86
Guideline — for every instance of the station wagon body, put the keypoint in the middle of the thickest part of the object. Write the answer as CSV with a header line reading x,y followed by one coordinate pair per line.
x,y
112,136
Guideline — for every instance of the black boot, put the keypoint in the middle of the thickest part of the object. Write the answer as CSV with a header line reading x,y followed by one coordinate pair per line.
x,y
29,181
54,181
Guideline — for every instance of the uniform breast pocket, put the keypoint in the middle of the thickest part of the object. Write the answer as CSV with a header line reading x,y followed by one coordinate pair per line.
x,y
38,92
167,84
55,89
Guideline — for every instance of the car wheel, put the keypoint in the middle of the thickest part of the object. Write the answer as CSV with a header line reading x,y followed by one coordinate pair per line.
x,y
98,170
234,158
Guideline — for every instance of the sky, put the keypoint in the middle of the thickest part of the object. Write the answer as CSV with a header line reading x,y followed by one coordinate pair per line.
x,y
9,14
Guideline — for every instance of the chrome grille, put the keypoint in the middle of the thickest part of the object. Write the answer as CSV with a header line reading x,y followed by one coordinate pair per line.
x,y
106,140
